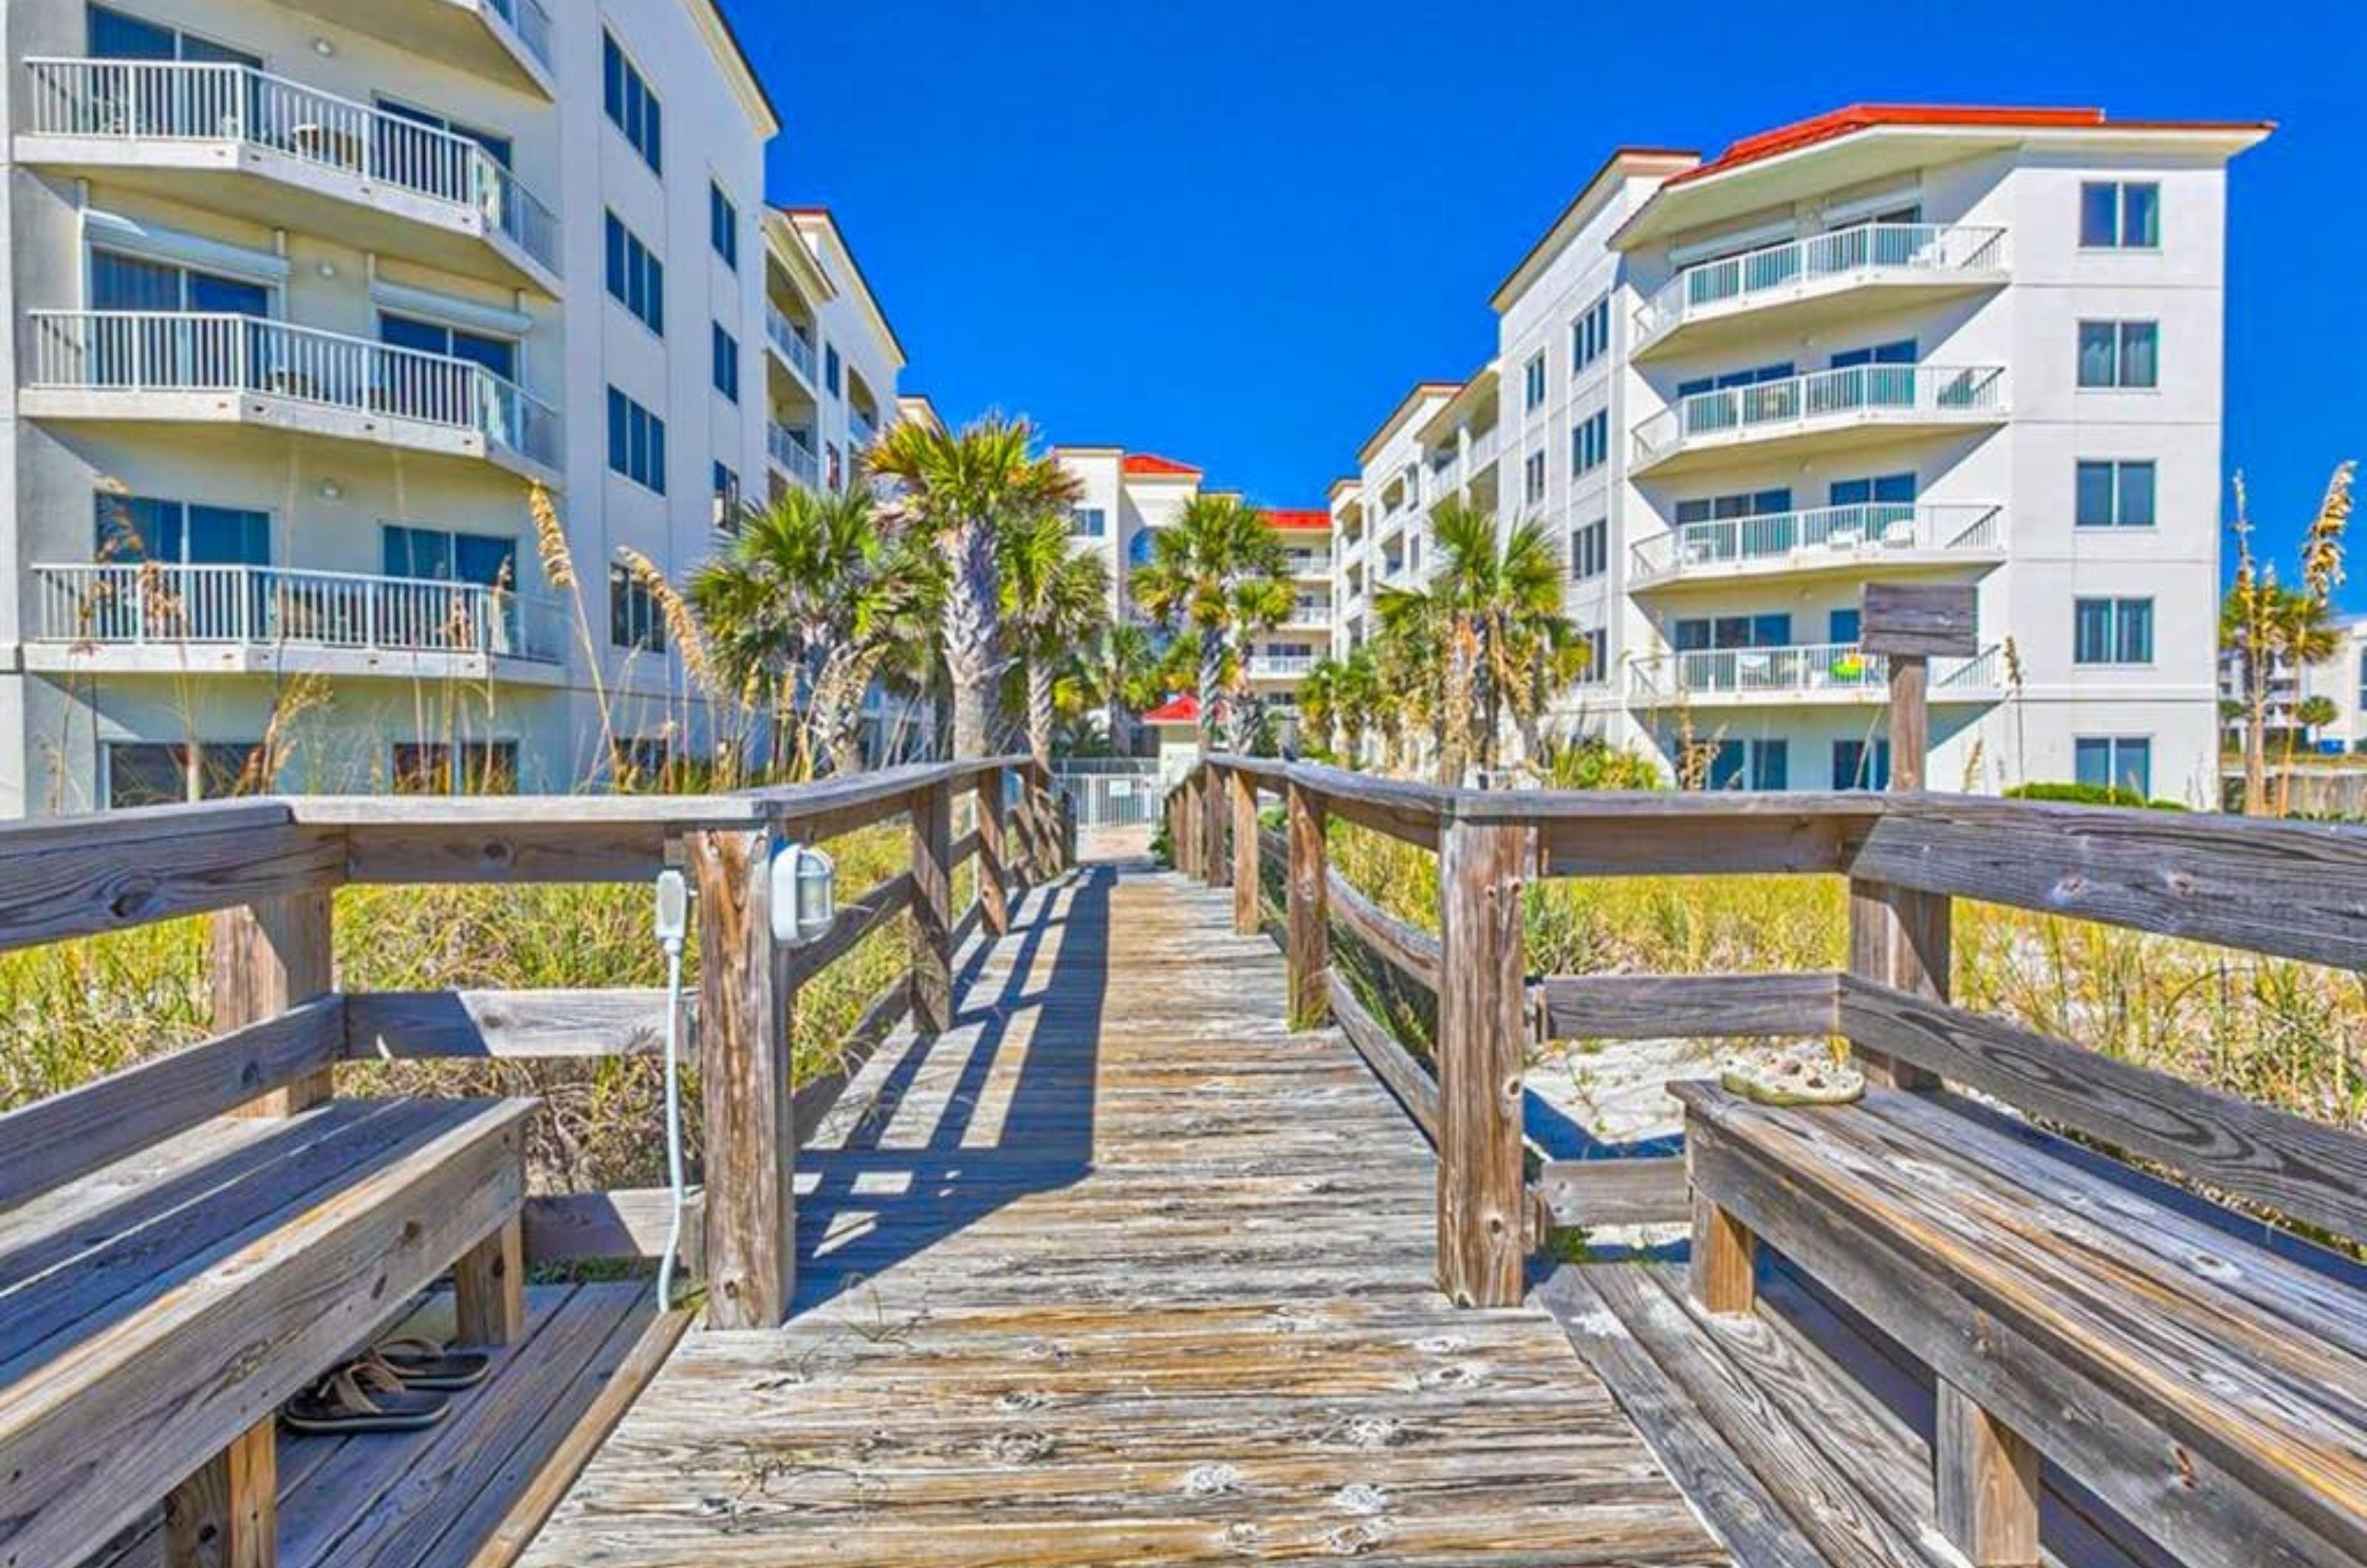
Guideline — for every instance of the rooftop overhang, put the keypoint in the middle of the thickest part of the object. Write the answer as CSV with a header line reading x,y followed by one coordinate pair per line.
x,y
1415,407
819,227
1476,397
1745,182
1626,163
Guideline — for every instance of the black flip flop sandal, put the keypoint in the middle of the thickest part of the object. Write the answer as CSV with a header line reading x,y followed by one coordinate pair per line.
x,y
339,1404
423,1363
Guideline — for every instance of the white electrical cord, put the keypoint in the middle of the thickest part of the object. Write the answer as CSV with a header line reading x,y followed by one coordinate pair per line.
x,y
673,916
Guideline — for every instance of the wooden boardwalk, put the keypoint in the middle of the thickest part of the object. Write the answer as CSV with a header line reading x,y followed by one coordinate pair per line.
x,y
1120,1271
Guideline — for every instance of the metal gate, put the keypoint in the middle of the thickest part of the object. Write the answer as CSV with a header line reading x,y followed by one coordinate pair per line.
x,y
1111,792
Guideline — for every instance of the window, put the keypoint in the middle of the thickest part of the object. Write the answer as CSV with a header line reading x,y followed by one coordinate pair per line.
x,y
1696,633
632,108
1534,387
421,160
634,620
1857,765
1590,443
636,279
2120,215
1901,352
723,225
636,443
1088,522
1750,765
1590,336
2120,354
831,475
147,529
145,773
2111,631
830,369
2114,762
473,767
2115,495
727,363
1717,508
642,760
1532,478
1590,549
1874,490
498,355
443,555
726,481
1596,669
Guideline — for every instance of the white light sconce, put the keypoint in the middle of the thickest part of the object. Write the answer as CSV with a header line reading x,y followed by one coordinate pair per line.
x,y
332,490
805,895
324,48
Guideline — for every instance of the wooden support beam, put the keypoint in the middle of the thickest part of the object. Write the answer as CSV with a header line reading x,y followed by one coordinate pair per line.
x,y
744,1013
1722,1273
1482,1036
1910,719
1307,923
489,1288
993,894
932,923
226,1514
1899,937
1245,855
1986,1482
266,957
1215,815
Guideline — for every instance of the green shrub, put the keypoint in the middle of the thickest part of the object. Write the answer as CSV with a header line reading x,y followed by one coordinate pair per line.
x,y
2089,794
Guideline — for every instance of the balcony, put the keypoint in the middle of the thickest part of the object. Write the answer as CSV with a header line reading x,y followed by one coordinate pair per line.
x,y
150,617
252,145
793,454
862,429
1812,672
157,365
1310,612
1816,280
1280,666
794,349
506,41
1827,541
1307,563
1825,409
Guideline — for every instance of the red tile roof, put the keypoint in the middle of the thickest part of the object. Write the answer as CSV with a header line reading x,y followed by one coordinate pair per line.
x,y
1152,464
1174,710
1866,116
1301,517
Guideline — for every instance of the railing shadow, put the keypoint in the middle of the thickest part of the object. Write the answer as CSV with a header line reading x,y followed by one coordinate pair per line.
x,y
998,1108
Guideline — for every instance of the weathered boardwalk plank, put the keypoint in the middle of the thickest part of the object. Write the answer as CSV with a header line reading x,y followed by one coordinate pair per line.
x,y
1118,1271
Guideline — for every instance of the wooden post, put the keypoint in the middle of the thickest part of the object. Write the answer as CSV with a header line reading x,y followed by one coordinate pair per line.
x,y
993,898
266,957
226,1514
933,894
744,1012
1307,921
1482,1029
1907,623
1245,855
1987,1477
1910,719
1187,826
489,1288
1216,811
1721,1274
1899,936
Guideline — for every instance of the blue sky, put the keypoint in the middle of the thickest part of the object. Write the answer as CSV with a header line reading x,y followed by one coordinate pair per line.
x,y
1236,230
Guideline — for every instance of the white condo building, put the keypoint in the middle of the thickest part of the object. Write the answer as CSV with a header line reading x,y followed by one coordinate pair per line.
x,y
1959,345
303,296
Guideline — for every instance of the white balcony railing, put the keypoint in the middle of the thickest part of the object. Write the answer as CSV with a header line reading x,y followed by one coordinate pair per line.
x,y
1808,538
1307,563
168,100
1480,454
151,351
1905,393
124,603
794,454
530,22
1281,664
1799,670
1864,250
862,429
794,346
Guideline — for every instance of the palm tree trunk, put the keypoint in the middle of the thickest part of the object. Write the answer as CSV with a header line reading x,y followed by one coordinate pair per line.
x,y
1040,709
1212,677
972,629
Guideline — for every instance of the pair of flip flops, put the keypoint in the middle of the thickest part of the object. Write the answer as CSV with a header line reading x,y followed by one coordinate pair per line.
x,y
397,1386
1804,1075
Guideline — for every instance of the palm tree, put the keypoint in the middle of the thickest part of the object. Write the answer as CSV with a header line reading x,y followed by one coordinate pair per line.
x,y
960,492
2268,625
1504,597
799,612
1355,701
1220,571
1121,673
1055,601
1318,696
1425,680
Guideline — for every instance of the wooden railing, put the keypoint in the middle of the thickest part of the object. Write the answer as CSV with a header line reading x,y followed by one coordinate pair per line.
x,y
2284,889
265,870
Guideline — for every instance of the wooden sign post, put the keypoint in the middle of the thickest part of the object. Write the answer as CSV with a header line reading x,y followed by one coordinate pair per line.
x,y
1907,624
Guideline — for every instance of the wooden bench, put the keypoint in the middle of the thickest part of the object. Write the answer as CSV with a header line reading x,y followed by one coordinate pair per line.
x,y
2205,1380
159,1307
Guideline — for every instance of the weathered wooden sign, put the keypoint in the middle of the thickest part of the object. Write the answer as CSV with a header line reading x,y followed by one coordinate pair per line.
x,y
1920,619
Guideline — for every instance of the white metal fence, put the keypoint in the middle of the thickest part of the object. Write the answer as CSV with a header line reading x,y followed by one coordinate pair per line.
x,y
1111,792
1912,249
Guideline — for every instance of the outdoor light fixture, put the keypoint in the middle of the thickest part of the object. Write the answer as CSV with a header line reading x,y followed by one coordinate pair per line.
x,y
331,490
805,893
324,48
